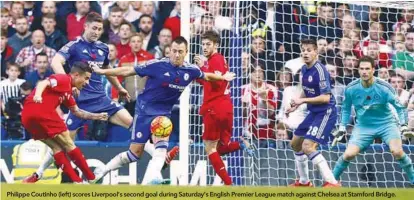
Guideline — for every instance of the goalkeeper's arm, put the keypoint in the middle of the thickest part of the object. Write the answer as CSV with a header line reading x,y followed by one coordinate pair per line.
x,y
345,117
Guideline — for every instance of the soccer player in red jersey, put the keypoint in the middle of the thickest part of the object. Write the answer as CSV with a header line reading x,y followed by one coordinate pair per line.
x,y
40,118
217,108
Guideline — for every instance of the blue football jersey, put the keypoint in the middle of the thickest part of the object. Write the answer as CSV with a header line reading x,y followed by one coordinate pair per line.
x,y
164,85
91,53
315,82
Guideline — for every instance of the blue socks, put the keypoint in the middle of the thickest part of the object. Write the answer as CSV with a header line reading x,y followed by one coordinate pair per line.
x,y
407,166
340,166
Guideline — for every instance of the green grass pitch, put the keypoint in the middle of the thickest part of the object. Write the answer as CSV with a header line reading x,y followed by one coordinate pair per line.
x,y
120,192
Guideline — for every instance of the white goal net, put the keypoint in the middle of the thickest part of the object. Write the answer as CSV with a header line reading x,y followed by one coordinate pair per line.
x,y
266,35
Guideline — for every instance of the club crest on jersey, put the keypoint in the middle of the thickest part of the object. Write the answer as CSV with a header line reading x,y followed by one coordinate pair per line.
x,y
186,77
310,79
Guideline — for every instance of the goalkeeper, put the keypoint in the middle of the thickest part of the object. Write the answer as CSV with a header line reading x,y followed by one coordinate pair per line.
x,y
371,98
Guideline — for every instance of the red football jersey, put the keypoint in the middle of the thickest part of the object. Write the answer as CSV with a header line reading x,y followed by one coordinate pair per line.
x,y
215,89
60,91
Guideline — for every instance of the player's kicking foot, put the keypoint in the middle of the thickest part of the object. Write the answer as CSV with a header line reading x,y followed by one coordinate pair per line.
x,y
298,184
160,182
331,185
31,179
99,172
170,156
245,145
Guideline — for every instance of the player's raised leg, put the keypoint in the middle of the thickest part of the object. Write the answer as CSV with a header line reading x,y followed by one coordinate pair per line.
x,y
402,158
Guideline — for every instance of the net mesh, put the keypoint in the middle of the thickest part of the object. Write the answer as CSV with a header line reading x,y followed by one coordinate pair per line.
x,y
267,35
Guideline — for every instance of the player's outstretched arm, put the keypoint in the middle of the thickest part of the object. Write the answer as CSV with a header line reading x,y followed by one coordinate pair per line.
x,y
57,64
87,115
41,86
229,76
119,71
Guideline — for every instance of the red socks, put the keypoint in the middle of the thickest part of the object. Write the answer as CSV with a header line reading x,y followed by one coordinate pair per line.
x,y
78,158
219,167
228,148
65,165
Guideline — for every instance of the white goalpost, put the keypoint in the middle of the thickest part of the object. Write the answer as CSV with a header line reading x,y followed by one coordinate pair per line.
x,y
281,25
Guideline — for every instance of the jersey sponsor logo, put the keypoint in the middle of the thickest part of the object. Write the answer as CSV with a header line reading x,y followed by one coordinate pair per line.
x,y
310,79
178,87
310,90
53,82
186,77
96,63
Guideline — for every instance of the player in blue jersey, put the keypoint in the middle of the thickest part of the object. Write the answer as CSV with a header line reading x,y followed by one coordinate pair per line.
x,y
92,97
372,99
317,127
166,80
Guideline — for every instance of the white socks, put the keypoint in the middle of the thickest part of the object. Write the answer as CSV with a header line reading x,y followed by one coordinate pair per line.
x,y
120,160
149,148
47,161
301,161
319,161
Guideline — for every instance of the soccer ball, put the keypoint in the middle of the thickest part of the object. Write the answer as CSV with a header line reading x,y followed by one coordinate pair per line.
x,y
161,126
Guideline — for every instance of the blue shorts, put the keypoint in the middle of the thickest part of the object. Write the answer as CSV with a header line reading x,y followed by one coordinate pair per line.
x,y
363,136
141,128
94,106
318,126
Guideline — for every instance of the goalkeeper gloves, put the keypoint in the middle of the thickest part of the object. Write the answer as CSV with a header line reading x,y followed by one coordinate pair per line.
x,y
338,134
406,132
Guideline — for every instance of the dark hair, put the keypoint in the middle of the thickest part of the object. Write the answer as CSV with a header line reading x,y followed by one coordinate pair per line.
x,y
180,40
410,30
144,15
115,9
93,17
396,75
207,16
26,86
212,36
49,16
4,33
80,67
349,53
309,41
10,65
367,59
4,10
41,54
16,2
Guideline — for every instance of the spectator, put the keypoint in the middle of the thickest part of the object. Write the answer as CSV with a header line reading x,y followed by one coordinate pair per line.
x,y
27,55
322,52
407,16
281,132
55,39
246,66
174,23
6,22
49,9
145,27
22,37
348,25
341,11
387,19
164,39
350,69
325,26
376,33
128,11
75,21
337,89
384,74
42,70
294,118
10,87
221,22
106,7
28,9
266,58
336,56
113,62
16,10
167,51
125,32
398,43
133,84
6,54
147,8
112,26
398,83
381,59
259,103
254,26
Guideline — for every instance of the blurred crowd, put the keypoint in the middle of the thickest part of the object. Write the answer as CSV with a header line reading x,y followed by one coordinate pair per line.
x,y
260,40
